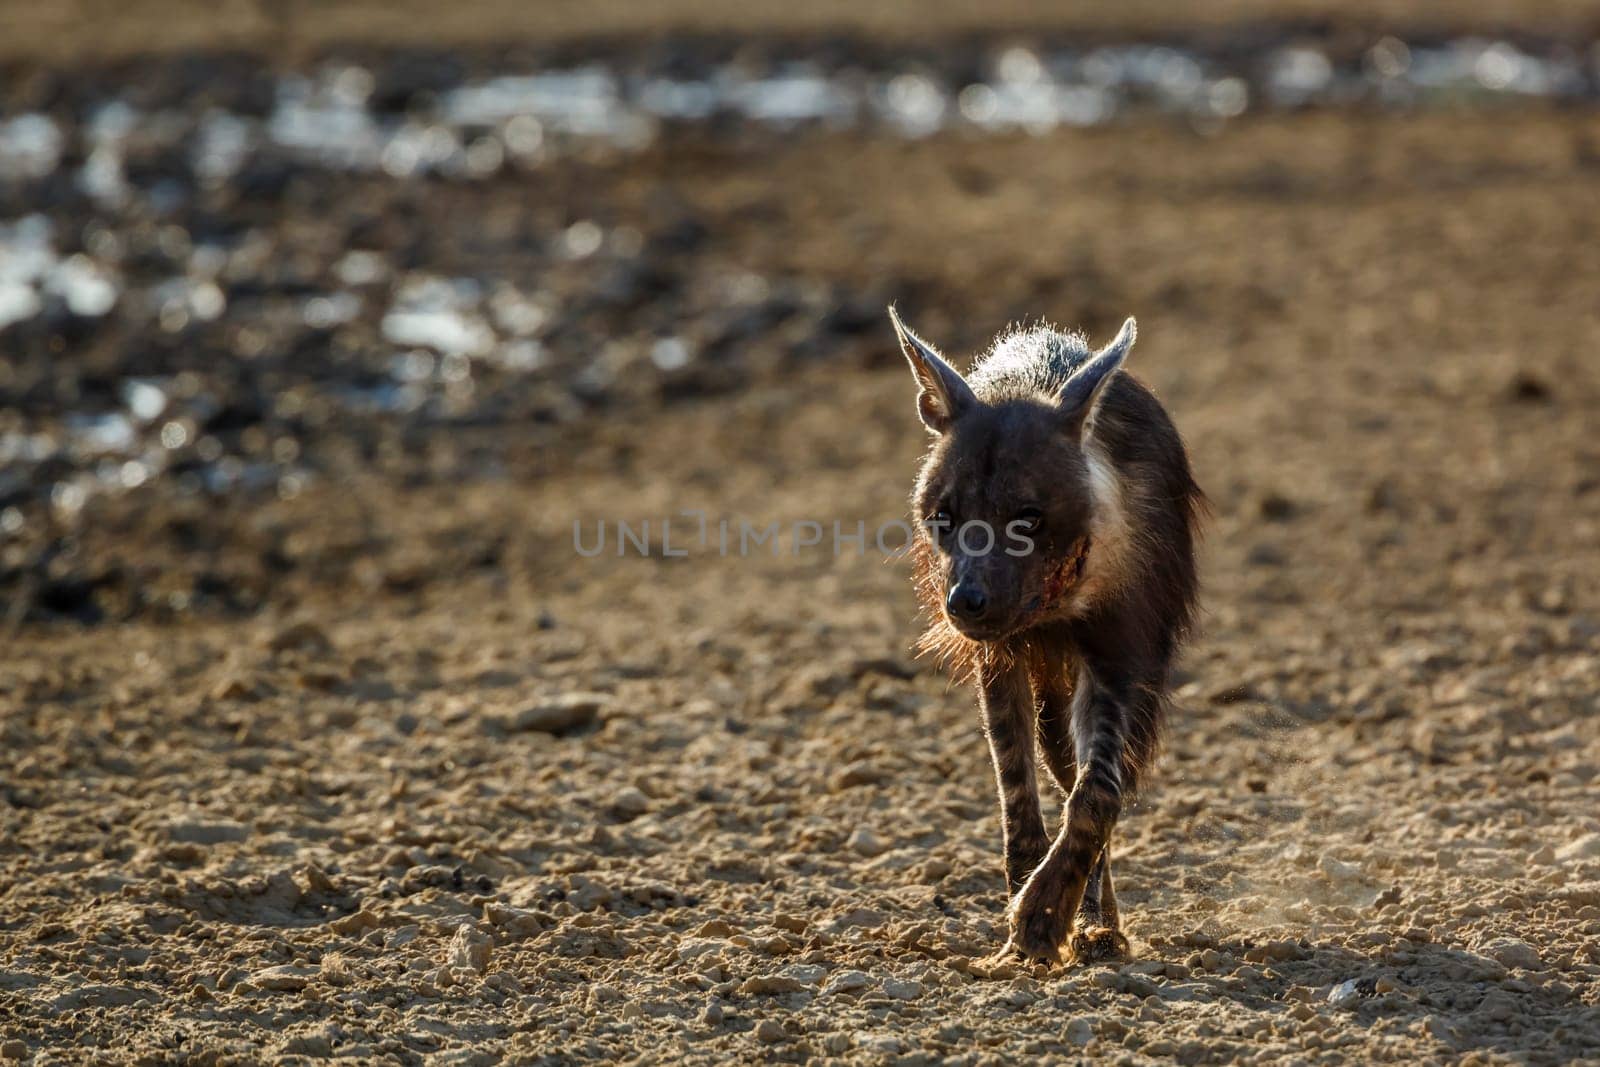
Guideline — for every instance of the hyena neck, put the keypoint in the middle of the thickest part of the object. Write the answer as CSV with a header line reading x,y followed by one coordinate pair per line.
x,y
1097,566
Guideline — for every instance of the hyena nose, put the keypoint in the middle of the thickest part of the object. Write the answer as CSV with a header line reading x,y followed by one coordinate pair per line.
x,y
967,602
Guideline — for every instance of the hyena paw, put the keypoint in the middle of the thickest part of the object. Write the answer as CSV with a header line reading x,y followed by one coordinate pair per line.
x,y
1091,944
1028,952
1034,940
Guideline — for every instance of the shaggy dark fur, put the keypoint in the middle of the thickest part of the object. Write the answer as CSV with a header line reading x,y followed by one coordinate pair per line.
x,y
1069,613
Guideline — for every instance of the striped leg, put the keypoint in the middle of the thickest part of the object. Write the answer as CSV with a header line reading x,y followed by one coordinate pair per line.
x,y
1054,695
1096,932
1043,912
1008,719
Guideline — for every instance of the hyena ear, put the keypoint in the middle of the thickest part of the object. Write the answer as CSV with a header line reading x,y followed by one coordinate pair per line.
x,y
945,395
1081,395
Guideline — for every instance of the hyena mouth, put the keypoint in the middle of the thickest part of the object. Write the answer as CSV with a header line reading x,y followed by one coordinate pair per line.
x,y
1062,577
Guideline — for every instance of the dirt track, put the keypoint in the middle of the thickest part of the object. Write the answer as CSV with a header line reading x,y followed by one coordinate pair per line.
x,y
335,826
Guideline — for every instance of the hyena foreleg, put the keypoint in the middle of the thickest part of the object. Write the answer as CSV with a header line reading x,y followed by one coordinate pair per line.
x,y
1008,713
1044,911
1096,930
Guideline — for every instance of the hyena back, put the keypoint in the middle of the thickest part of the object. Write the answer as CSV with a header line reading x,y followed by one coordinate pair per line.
x,y
1056,565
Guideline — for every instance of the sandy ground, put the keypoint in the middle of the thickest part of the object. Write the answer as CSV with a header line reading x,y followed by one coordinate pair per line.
x,y
455,794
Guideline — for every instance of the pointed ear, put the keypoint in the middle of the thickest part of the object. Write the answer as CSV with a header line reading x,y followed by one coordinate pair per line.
x,y
945,395
1081,395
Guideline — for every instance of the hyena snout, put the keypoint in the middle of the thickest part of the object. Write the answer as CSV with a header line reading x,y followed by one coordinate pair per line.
x,y
967,602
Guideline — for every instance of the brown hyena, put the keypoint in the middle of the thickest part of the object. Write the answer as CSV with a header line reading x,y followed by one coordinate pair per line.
x,y
1055,561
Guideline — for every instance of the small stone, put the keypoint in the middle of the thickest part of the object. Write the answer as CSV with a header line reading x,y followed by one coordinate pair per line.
x,y
769,1032
470,949
848,982
1525,387
807,974
13,1050
286,978
1344,994
768,984
1586,847
792,923
836,1044
204,831
1512,952
559,715
1337,868
630,802
316,1046
865,842
300,636
902,990
691,948
861,772
1498,1006
1275,507
713,1014
1079,1032
865,918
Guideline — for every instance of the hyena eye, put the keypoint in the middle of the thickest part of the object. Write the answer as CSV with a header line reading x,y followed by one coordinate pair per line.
x,y
941,519
1029,519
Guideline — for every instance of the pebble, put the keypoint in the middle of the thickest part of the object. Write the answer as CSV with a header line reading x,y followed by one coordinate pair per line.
x,y
287,978
848,982
768,984
1497,1005
1337,868
13,1050
865,842
1274,952
769,1032
1586,847
713,1014
860,772
902,989
470,949
559,715
317,1046
807,974
630,801
300,636
1512,952
1343,994
694,947
865,918
1079,1032
207,831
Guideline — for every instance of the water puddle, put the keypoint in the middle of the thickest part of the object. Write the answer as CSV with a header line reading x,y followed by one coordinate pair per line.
x,y
390,339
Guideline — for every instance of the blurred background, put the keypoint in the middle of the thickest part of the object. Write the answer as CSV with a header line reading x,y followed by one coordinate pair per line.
x,y
257,247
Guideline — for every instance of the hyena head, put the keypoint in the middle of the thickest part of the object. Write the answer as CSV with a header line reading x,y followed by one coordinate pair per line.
x,y
1012,491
